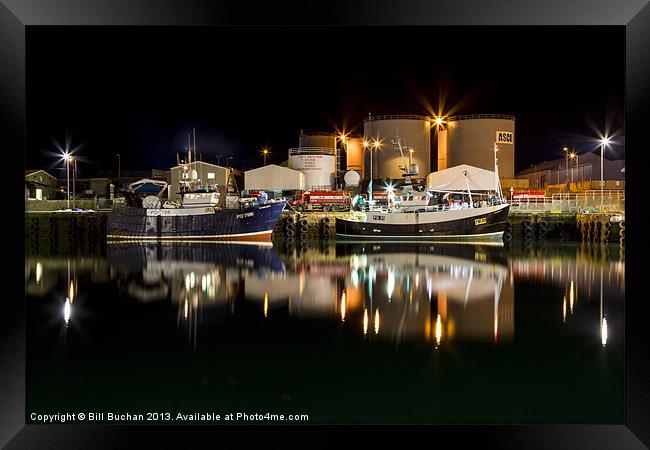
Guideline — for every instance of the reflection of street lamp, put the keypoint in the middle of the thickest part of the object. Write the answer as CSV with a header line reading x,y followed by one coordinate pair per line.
x,y
603,319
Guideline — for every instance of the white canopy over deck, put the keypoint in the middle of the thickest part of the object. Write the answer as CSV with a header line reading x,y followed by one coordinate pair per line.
x,y
458,178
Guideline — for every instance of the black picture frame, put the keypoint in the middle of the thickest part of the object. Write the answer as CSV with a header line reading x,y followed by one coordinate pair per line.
x,y
16,15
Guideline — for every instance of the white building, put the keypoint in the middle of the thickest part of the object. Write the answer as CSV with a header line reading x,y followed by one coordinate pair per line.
x,y
274,178
206,173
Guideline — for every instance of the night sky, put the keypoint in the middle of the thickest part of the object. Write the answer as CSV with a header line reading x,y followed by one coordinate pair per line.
x,y
138,91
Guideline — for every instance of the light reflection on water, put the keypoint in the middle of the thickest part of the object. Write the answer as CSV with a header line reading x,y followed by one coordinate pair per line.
x,y
402,292
370,332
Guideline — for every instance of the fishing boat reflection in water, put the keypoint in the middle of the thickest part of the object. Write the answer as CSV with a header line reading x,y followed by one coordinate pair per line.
x,y
411,292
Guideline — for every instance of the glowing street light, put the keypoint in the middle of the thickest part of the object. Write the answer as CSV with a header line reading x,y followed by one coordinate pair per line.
x,y
574,155
265,152
603,142
67,157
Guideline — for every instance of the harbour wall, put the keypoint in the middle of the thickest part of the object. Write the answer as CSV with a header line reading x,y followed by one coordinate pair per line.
x,y
58,232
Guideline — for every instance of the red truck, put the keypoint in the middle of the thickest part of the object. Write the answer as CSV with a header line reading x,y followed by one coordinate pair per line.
x,y
321,201
530,195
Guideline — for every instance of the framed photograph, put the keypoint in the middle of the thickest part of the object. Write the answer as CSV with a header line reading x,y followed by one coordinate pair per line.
x,y
280,217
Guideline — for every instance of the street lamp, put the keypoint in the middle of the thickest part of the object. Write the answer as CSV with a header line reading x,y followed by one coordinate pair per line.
x,y
574,155
67,158
603,142
119,167
375,144
265,151
566,164
74,181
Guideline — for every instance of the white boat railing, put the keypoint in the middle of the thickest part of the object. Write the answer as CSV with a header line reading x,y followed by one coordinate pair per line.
x,y
433,208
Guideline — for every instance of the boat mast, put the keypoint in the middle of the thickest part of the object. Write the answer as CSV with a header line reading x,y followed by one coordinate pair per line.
x,y
407,169
471,203
497,184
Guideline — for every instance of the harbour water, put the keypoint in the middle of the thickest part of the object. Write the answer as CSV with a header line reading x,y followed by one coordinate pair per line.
x,y
344,333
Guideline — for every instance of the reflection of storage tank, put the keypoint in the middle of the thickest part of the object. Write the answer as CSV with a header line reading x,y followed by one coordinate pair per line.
x,y
354,153
470,140
318,164
415,133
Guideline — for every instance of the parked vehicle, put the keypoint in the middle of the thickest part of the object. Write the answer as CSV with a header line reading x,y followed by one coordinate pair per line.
x,y
322,201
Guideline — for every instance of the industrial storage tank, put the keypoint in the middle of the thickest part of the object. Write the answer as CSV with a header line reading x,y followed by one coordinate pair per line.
x,y
470,139
317,139
354,154
415,133
318,164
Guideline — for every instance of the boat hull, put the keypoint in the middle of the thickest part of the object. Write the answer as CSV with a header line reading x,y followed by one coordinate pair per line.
x,y
474,224
247,224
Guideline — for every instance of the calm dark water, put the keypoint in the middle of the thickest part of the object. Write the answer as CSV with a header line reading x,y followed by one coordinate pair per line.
x,y
390,333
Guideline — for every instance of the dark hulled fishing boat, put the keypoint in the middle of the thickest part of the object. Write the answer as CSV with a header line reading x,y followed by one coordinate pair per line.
x,y
484,223
249,221
197,216
458,215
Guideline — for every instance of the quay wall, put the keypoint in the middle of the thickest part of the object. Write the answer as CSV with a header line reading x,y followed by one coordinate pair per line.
x,y
64,230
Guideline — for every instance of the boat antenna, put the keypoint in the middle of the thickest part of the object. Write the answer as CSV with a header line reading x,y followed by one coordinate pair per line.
x,y
189,149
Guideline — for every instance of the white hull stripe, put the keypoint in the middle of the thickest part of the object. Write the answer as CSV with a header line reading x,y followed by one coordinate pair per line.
x,y
208,236
197,241
448,236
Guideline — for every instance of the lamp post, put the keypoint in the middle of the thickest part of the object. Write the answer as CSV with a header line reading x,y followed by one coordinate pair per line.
x,y
119,167
603,143
74,181
66,157
374,145
566,164
265,151
573,155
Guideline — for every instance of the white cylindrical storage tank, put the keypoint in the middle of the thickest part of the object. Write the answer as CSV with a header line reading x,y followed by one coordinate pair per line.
x,y
318,164
470,140
414,132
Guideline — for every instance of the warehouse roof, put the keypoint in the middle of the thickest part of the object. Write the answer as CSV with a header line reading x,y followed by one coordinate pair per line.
x,y
458,177
589,157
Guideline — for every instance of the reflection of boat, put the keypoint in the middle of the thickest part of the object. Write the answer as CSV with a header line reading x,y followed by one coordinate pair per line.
x,y
148,292
135,257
